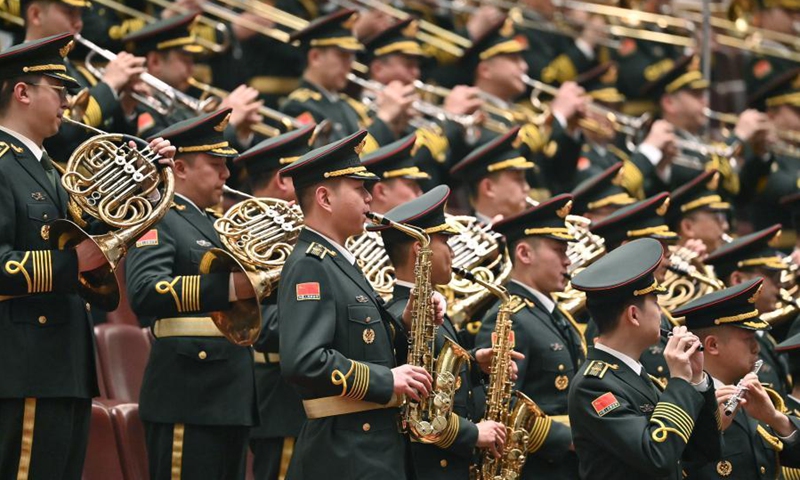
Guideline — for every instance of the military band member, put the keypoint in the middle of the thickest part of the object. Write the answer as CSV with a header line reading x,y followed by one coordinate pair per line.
x,y
778,16
545,334
697,212
643,219
170,48
337,338
452,455
198,398
110,106
399,174
622,425
494,175
601,195
46,349
746,258
759,437
790,348
282,414
330,49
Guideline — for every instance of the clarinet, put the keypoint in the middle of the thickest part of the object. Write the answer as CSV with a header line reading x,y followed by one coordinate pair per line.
x,y
733,402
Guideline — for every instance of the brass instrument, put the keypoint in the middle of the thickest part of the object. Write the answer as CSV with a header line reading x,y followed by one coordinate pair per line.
x,y
258,235
289,123
687,279
518,419
426,420
371,256
787,145
115,183
786,309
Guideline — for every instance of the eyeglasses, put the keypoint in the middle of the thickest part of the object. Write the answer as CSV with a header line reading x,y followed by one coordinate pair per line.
x,y
62,90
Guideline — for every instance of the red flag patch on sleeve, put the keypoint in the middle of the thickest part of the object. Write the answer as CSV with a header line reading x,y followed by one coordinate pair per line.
x,y
305,118
145,121
307,291
605,403
148,239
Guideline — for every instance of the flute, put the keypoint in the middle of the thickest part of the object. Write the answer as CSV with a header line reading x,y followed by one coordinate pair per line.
x,y
733,402
666,334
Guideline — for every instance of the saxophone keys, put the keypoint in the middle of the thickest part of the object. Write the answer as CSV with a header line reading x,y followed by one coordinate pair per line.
x,y
439,423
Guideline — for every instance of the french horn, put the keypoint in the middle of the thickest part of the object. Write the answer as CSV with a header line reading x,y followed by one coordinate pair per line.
x,y
687,279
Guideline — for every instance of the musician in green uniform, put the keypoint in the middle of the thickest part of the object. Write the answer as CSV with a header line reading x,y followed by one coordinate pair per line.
x,y
451,456
330,49
198,398
110,106
494,175
624,426
337,339
790,348
282,414
601,195
749,257
47,357
545,334
643,219
759,437
698,214
396,167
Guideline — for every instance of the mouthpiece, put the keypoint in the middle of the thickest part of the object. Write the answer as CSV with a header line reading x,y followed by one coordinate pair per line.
x,y
464,273
378,218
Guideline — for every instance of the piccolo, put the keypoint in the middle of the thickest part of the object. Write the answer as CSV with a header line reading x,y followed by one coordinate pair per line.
x,y
733,402
665,334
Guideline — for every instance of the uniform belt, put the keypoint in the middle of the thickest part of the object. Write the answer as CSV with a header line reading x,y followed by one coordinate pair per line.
x,y
563,419
259,357
186,327
337,405
3,298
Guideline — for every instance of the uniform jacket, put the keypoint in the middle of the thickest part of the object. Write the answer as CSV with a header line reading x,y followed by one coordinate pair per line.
x,y
195,380
336,340
624,428
544,375
46,342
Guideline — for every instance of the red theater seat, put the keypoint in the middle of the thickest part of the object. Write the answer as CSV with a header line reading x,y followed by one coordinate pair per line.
x,y
102,456
130,438
123,314
123,351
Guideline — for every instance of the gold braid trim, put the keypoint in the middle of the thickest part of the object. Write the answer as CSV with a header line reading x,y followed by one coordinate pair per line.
x,y
349,43
401,171
435,142
45,68
41,280
675,415
683,80
560,232
360,383
345,171
619,199
511,46
703,201
772,440
337,378
450,433
203,148
790,473
189,299
789,98
178,431
26,448
541,428
176,42
93,116
736,318
288,160
657,230
516,162
770,262
408,47
654,287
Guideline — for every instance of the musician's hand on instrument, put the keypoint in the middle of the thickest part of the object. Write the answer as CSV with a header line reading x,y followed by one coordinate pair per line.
x,y
393,103
678,353
661,134
491,436
723,394
245,104
90,256
759,406
569,102
242,286
697,246
122,70
751,123
439,307
411,381
463,100
165,150
482,20
483,356
181,6
243,33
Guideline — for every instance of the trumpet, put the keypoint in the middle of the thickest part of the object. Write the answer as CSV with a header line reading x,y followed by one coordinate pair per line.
x,y
733,402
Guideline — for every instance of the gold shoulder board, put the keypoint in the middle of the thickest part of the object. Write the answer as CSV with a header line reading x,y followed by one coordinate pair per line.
x,y
319,251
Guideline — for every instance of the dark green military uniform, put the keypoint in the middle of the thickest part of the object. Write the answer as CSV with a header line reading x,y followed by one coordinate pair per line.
x,y
451,456
279,404
752,253
640,62
622,425
601,191
46,346
336,342
750,449
198,398
551,342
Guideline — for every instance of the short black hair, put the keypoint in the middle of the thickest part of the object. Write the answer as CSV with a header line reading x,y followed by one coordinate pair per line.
x,y
606,314
398,250
260,179
533,242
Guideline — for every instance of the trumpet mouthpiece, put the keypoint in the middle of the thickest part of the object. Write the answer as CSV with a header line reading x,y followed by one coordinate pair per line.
x,y
378,218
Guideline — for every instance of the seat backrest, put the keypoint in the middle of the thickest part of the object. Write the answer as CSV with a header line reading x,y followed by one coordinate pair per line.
x,y
123,314
102,456
123,351
131,441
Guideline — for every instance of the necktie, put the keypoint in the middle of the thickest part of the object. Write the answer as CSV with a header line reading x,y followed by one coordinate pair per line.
x,y
563,325
49,170
648,381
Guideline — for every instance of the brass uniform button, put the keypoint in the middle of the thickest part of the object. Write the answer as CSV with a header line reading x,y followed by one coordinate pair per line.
x,y
366,427
561,367
443,463
763,470
45,216
202,355
660,369
368,319
42,320
88,308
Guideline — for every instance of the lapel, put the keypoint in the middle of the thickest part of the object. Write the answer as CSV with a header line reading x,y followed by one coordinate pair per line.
x,y
625,374
198,220
538,311
31,164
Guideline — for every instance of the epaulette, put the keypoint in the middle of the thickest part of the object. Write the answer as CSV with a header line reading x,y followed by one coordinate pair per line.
x,y
319,251
305,94
597,368
771,439
214,212
622,155
360,108
177,206
4,148
777,399
658,382
518,303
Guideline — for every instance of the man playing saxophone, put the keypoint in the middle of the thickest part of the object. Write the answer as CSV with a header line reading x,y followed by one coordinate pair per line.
x,y
450,456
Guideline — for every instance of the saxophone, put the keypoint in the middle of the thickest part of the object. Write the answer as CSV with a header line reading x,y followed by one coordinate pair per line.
x,y
519,418
428,419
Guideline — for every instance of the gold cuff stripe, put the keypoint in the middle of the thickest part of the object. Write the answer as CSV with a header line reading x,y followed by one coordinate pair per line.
x,y
26,448
360,382
516,162
701,202
203,148
51,67
619,199
177,450
790,473
657,230
450,433
675,415
660,434
771,262
736,318
41,280
539,432
190,293
407,47
511,46
337,378
164,286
